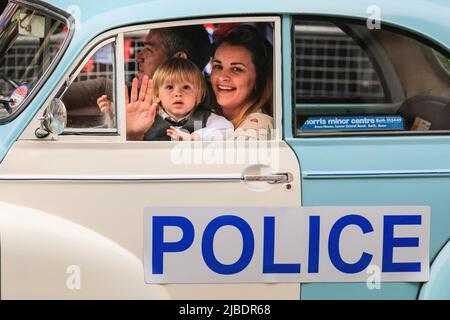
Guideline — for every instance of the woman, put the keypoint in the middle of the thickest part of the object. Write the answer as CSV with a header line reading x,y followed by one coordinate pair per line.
x,y
241,79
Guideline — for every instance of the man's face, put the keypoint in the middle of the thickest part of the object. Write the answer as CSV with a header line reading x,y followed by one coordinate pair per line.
x,y
152,55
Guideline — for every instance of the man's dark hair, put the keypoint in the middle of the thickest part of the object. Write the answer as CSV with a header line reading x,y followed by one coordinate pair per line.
x,y
193,40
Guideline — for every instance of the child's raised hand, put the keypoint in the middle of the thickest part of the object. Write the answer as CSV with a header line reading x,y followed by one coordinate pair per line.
x,y
140,110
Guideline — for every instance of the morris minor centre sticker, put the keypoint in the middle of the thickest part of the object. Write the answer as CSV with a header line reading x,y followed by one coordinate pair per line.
x,y
355,123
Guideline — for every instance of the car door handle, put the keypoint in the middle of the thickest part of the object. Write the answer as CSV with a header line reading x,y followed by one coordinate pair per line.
x,y
284,177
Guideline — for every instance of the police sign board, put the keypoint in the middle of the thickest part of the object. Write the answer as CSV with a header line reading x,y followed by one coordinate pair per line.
x,y
285,244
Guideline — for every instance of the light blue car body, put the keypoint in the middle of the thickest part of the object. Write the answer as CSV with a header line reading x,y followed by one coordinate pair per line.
x,y
336,171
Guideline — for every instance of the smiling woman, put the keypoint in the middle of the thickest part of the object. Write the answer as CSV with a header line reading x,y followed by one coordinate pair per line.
x,y
241,79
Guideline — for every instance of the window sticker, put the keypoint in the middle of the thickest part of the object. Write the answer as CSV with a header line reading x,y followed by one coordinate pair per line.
x,y
421,124
17,97
357,123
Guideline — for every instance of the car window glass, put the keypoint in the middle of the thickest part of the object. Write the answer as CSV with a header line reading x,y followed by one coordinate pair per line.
x,y
146,51
29,42
332,67
94,81
349,79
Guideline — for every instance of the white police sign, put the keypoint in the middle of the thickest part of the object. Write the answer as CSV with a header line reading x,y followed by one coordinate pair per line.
x,y
303,244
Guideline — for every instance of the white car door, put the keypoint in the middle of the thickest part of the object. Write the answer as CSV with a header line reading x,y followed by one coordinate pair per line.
x,y
95,185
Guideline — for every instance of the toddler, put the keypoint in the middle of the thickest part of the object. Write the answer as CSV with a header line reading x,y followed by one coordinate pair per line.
x,y
179,87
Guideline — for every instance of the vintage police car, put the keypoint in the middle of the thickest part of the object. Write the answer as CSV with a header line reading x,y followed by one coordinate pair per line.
x,y
348,200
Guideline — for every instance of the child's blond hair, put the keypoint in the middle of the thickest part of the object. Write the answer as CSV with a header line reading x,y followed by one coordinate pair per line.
x,y
178,70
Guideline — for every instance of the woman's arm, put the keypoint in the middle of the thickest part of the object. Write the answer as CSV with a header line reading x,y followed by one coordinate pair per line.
x,y
257,126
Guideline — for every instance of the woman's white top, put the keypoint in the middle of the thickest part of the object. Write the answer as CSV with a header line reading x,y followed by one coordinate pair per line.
x,y
256,126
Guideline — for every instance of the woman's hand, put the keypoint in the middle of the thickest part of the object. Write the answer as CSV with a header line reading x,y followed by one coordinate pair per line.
x,y
139,109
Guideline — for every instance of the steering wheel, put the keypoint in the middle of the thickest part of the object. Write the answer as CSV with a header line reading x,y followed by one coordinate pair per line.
x,y
5,102
9,80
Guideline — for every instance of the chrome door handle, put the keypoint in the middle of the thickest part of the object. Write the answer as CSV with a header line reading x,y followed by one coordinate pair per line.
x,y
284,177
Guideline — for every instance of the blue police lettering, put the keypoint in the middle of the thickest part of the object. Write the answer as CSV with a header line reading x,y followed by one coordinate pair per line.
x,y
314,244
269,266
333,244
159,247
208,248
389,243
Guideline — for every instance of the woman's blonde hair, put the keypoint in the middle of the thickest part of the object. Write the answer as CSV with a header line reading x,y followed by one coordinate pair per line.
x,y
261,52
178,70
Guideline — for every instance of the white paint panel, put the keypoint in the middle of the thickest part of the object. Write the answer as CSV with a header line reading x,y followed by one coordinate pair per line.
x,y
105,186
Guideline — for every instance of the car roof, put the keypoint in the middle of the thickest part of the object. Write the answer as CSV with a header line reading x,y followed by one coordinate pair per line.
x,y
429,17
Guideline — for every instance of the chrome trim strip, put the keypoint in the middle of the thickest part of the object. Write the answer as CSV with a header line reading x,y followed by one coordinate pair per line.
x,y
360,175
118,179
